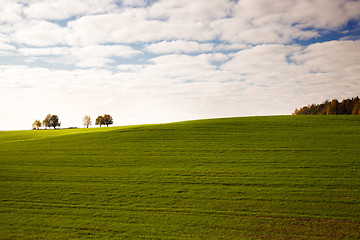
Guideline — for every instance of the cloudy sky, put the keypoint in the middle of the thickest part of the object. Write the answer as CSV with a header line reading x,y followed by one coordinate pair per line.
x,y
169,60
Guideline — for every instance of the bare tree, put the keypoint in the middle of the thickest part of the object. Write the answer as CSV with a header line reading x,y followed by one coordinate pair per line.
x,y
87,121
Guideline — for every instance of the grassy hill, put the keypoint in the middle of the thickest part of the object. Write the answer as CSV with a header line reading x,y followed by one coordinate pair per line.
x,y
281,177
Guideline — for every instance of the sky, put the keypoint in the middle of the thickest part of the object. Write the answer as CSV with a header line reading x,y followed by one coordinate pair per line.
x,y
160,61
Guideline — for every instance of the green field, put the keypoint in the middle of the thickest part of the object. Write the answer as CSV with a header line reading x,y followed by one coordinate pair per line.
x,y
281,177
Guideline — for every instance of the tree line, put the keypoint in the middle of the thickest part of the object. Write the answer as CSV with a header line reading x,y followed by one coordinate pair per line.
x,y
53,121
333,107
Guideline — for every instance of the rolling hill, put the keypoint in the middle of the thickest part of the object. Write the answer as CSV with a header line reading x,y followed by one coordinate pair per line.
x,y
278,177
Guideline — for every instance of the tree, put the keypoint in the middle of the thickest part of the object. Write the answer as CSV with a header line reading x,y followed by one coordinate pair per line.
x,y
296,112
54,121
345,107
46,121
99,121
87,121
332,109
107,120
356,109
36,124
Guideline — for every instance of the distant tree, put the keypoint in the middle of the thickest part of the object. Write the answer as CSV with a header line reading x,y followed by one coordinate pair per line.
x,y
324,107
348,106
54,121
332,109
107,120
354,102
87,121
342,108
36,124
99,121
345,107
296,112
46,121
356,109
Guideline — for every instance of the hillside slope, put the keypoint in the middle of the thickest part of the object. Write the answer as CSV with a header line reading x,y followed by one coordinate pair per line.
x,y
293,177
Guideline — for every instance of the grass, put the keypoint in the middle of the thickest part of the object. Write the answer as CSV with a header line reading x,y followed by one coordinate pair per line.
x,y
281,177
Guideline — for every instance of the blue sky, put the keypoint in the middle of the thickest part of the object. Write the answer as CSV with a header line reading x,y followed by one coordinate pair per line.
x,y
171,60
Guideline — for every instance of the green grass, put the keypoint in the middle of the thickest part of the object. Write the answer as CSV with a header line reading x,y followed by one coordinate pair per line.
x,y
281,177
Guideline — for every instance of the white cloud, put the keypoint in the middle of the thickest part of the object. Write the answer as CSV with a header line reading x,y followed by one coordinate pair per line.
x,y
261,59
132,26
88,56
329,14
244,22
105,51
130,67
188,10
5,53
265,29
332,74
134,3
6,47
307,13
255,81
52,51
64,9
233,46
262,21
182,68
240,31
10,11
343,56
317,74
105,26
94,62
214,58
179,46
38,33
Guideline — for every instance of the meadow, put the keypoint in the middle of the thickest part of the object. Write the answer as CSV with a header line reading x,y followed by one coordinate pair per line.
x,y
276,177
